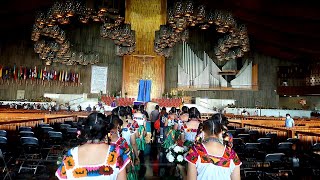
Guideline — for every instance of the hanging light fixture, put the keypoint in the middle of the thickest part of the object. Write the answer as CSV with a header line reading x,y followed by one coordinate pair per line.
x,y
185,14
62,13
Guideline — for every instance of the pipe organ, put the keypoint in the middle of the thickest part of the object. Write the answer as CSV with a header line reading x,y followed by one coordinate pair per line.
x,y
202,72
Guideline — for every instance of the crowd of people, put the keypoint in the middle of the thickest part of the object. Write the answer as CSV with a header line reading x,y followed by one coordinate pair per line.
x,y
113,146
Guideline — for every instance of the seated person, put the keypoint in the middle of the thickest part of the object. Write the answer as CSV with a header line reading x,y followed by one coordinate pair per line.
x,y
88,109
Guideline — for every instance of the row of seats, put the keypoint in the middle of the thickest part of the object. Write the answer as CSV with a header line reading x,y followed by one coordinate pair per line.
x,y
44,143
3,154
119,101
168,102
266,155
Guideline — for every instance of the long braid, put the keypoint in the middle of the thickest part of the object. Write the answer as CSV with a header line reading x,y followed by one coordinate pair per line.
x,y
120,131
109,128
199,132
108,136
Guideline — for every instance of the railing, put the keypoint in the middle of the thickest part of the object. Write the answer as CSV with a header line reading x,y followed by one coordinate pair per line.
x,y
75,101
308,134
12,121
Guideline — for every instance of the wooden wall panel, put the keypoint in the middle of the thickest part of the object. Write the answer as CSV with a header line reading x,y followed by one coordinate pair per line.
x,y
84,38
266,75
145,19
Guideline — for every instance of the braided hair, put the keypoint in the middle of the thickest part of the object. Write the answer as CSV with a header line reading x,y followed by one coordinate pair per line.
x,y
184,109
213,126
194,113
94,127
113,121
128,111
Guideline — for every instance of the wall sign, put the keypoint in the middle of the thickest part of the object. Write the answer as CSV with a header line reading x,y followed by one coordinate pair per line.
x,y
99,77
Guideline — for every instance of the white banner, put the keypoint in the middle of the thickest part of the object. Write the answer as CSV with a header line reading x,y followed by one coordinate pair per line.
x,y
99,77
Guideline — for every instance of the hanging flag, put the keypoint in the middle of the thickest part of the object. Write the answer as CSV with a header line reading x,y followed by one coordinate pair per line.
x,y
38,73
48,75
15,73
60,75
0,71
41,74
77,78
74,77
25,73
7,74
35,75
30,74
44,73
18,73
11,75
55,75
21,73
51,74
66,76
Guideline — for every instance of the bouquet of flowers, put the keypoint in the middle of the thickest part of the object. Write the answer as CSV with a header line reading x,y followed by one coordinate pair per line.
x,y
175,153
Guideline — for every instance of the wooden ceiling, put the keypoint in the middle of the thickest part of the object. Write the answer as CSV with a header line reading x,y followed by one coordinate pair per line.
x,y
286,29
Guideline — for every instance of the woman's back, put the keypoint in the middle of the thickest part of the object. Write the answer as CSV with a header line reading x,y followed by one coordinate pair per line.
x,y
139,118
93,161
92,154
191,130
213,161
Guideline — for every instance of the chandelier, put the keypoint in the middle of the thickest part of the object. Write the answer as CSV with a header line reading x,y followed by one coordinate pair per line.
x,y
52,44
186,14
166,38
122,36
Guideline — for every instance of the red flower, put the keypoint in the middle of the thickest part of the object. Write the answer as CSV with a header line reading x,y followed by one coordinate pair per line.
x,y
119,162
180,143
105,170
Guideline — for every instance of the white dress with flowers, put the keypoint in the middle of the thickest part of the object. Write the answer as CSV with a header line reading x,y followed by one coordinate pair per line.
x,y
115,162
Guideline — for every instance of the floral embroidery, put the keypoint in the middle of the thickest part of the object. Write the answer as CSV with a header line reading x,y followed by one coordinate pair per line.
x,y
63,171
191,130
68,162
105,170
120,162
123,145
112,157
198,151
80,172
122,149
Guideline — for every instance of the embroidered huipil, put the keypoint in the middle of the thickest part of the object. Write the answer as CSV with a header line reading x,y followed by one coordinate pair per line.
x,y
213,167
115,162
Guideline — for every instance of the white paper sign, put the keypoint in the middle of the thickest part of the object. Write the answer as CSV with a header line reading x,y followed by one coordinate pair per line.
x,y
99,77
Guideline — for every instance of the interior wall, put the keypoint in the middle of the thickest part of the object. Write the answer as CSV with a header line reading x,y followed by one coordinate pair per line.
x,y
85,38
312,102
265,96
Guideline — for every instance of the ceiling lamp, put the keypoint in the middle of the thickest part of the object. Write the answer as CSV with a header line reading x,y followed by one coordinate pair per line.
x,y
166,38
185,14
51,42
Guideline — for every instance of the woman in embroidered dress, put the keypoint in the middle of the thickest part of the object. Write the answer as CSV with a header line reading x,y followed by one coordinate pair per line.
x,y
183,117
141,119
130,134
172,136
170,120
98,158
211,159
190,128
